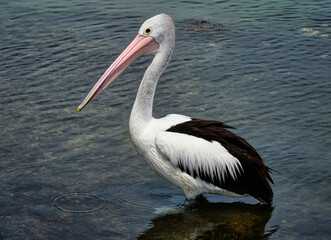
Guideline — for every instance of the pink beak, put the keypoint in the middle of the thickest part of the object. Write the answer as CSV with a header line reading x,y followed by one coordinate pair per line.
x,y
141,45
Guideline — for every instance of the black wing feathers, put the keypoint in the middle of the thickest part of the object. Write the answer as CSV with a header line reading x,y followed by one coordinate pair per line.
x,y
253,180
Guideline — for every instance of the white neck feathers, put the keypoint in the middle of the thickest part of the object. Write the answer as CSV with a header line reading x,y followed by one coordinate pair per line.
x,y
143,105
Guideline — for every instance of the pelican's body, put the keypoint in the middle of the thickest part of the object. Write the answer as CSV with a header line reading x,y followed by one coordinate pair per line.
x,y
162,150
195,155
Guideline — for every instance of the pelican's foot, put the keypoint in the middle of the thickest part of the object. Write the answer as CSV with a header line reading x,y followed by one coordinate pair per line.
x,y
192,202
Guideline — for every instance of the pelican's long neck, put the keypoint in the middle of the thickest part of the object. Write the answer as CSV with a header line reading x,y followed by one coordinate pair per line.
x,y
142,109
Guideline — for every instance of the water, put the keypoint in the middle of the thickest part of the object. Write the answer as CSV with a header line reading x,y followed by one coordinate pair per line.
x,y
66,175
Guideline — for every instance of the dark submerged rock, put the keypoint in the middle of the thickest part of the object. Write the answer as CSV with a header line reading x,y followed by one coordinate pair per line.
x,y
194,25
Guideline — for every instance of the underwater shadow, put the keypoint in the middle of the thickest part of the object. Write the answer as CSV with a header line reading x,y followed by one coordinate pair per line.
x,y
206,220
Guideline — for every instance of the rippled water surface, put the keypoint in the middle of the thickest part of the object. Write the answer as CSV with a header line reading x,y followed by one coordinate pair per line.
x,y
64,175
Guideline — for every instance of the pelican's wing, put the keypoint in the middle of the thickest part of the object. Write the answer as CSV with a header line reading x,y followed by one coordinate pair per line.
x,y
207,150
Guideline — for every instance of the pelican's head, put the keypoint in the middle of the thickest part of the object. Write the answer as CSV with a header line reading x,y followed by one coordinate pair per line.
x,y
161,28
156,35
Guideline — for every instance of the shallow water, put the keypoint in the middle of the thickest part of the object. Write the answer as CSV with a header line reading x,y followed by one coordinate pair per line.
x,y
77,176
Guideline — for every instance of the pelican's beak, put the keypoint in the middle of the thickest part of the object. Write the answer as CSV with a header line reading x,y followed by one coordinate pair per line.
x,y
141,45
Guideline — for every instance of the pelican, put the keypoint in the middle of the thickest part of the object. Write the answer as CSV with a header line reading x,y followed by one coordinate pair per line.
x,y
198,156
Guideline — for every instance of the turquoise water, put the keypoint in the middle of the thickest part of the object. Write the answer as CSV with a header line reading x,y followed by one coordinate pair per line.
x,y
65,175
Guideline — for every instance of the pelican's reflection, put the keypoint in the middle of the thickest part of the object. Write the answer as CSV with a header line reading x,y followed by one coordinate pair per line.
x,y
206,220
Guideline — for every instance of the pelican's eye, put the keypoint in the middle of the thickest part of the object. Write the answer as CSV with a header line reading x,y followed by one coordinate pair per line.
x,y
148,31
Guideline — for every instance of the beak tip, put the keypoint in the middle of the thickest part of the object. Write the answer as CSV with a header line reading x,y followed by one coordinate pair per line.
x,y
79,109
